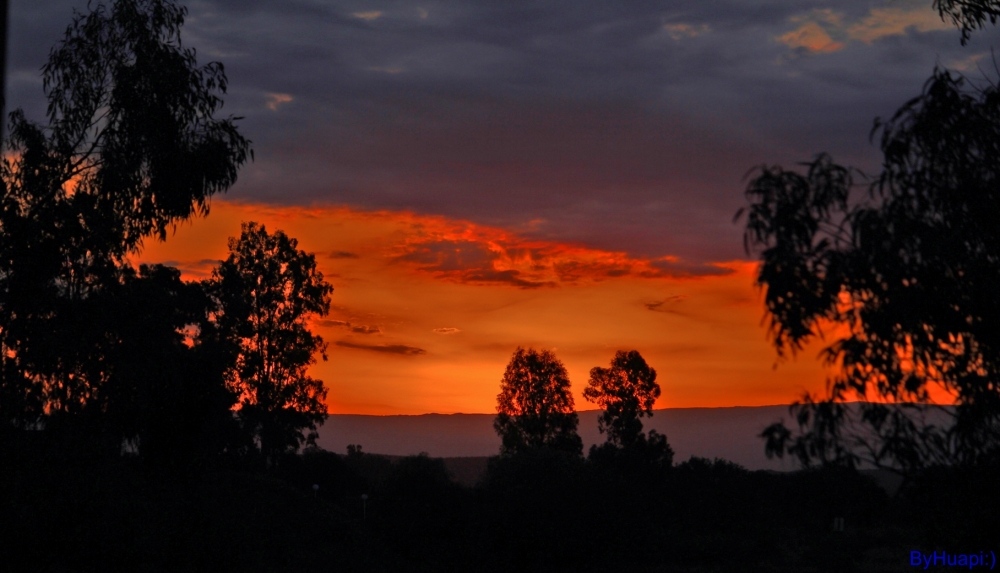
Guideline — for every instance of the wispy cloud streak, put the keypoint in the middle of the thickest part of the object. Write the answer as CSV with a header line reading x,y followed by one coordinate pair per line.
x,y
384,348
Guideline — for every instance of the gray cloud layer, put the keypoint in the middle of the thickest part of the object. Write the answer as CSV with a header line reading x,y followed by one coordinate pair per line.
x,y
625,126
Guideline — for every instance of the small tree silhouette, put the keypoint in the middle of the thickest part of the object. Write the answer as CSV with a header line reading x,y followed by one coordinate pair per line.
x,y
535,407
626,392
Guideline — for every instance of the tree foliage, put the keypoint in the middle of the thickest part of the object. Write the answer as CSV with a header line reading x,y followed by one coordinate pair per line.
x,y
968,15
268,290
535,407
165,392
131,146
625,392
910,272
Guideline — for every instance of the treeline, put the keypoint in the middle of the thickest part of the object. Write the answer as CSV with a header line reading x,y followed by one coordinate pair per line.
x,y
537,510
545,510
172,372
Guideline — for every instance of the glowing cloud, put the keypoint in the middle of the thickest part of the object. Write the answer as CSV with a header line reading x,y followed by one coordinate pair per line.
x,y
446,330
682,30
276,100
883,22
472,254
368,16
811,38
826,31
967,64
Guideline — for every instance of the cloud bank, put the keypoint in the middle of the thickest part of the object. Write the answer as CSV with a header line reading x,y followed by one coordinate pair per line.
x,y
623,126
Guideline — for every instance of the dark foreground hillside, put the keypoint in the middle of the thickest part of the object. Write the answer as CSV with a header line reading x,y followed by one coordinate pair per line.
x,y
536,512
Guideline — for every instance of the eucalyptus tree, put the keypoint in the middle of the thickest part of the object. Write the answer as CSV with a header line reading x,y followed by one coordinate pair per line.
x,y
130,146
626,392
968,15
905,271
908,271
268,290
535,407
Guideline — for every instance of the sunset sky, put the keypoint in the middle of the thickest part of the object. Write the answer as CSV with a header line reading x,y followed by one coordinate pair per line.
x,y
474,176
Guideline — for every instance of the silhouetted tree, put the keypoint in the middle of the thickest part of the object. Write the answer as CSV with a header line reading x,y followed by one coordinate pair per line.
x,y
165,390
535,407
626,391
911,273
968,15
131,147
268,290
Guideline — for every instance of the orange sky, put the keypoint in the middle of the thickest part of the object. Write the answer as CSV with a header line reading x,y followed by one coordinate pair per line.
x,y
427,311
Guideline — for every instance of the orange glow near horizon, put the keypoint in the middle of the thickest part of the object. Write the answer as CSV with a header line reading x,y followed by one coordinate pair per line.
x,y
428,310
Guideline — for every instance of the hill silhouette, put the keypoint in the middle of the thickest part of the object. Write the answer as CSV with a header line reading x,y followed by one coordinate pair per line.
x,y
727,433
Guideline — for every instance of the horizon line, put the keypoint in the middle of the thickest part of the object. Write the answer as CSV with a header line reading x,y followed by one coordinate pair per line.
x,y
599,410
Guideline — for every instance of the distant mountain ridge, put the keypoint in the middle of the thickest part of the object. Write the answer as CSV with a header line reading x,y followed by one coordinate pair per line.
x,y
731,433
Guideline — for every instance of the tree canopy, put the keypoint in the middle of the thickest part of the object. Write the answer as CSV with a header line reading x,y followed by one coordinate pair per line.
x,y
535,407
909,272
268,290
164,392
626,392
131,146
968,15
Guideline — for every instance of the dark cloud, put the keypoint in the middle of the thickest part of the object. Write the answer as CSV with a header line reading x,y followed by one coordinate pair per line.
x,y
624,126
357,328
341,255
666,305
678,268
510,277
387,348
449,255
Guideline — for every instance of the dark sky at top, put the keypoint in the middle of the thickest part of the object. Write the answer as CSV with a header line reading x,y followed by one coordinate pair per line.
x,y
620,125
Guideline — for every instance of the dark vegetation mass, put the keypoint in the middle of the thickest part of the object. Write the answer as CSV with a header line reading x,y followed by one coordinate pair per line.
x,y
153,424
537,510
